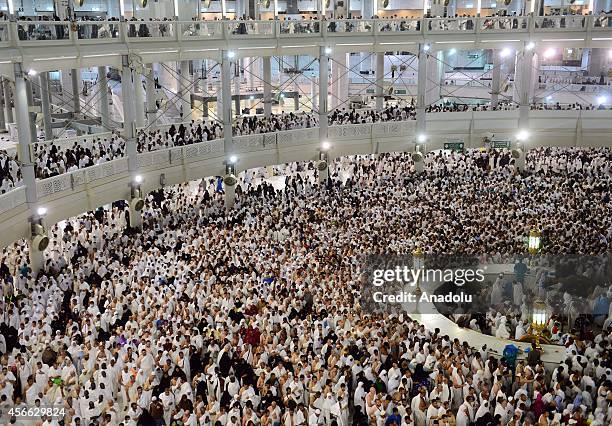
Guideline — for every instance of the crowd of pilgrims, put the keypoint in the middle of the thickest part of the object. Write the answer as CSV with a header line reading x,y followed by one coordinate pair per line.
x,y
52,159
253,316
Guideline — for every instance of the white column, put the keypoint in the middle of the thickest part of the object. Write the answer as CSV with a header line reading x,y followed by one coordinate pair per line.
x,y
250,71
368,8
22,103
524,84
2,117
236,71
22,116
129,116
76,90
219,85
129,132
334,83
435,72
66,82
167,76
282,83
343,81
226,96
267,77
185,93
32,110
323,83
43,81
151,96
8,107
313,93
380,80
296,84
139,100
103,90
421,89
230,193
495,78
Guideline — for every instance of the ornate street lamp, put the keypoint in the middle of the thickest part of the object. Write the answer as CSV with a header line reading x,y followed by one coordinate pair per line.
x,y
539,318
534,243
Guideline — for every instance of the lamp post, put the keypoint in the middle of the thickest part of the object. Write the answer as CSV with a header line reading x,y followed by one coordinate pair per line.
x,y
539,318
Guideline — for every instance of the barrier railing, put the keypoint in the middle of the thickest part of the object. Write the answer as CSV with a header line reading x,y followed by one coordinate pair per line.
x,y
238,29
27,33
398,25
601,23
296,28
503,23
567,22
36,31
150,30
67,181
96,30
12,199
201,30
351,26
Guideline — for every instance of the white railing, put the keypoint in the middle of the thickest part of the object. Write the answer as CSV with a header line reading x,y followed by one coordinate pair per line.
x,y
202,30
567,23
397,25
12,199
297,137
29,33
350,131
394,128
503,24
68,181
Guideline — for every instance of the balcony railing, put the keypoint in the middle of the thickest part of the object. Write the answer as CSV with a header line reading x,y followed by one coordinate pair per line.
x,y
157,30
250,28
503,23
27,33
351,26
566,23
38,31
92,30
299,28
202,30
398,25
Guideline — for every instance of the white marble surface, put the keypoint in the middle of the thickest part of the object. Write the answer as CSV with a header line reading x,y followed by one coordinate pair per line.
x,y
553,354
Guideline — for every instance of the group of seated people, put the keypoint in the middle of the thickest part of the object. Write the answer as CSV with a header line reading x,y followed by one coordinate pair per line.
x,y
254,315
